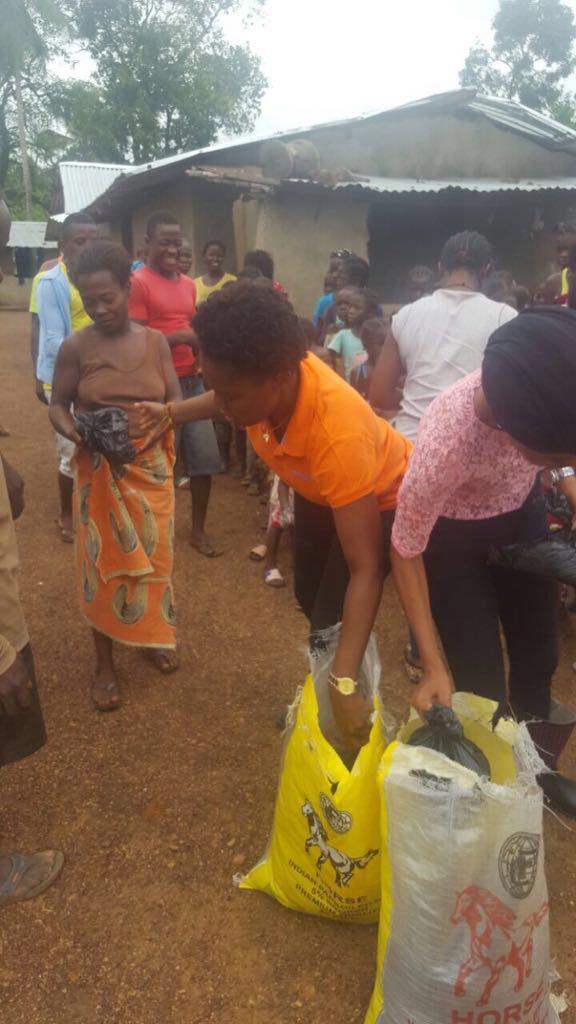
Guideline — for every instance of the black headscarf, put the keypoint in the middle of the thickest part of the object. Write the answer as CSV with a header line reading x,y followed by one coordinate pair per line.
x,y
529,378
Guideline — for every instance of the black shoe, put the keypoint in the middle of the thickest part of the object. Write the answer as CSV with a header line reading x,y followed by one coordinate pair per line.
x,y
559,793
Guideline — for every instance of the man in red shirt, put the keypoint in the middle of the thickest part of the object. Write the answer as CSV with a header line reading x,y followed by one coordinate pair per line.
x,y
163,298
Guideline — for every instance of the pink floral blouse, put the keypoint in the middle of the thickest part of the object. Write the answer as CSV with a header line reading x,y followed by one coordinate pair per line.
x,y
459,468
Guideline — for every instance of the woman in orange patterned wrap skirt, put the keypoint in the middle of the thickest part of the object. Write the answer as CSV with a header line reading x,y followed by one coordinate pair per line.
x,y
124,512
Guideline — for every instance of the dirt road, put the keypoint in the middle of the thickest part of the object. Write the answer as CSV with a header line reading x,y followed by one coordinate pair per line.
x,y
157,806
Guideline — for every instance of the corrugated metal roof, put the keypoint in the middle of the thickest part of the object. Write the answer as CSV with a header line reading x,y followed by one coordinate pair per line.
x,y
404,185
83,183
27,233
507,113
520,118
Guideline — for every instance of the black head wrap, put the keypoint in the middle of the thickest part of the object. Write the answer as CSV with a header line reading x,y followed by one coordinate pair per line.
x,y
529,378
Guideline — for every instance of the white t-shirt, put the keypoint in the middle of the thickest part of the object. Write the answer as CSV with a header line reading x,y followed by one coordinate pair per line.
x,y
441,338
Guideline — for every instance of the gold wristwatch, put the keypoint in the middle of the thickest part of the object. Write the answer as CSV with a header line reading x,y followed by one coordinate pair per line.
x,y
343,684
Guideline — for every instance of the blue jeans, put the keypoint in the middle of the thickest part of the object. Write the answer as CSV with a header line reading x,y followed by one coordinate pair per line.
x,y
200,452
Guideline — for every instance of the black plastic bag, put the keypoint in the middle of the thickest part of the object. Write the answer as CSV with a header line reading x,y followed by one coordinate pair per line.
x,y
106,431
444,733
553,555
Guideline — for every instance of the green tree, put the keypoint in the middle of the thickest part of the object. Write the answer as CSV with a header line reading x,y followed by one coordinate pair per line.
x,y
22,42
532,54
167,78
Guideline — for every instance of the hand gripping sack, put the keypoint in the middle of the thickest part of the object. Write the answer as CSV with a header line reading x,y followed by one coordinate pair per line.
x,y
323,853
464,926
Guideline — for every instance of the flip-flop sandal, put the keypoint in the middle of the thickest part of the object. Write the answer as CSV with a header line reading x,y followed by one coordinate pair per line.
x,y
21,864
162,661
273,578
106,688
205,548
258,554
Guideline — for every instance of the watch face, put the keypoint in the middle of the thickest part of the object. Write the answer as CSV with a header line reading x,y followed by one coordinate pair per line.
x,y
347,687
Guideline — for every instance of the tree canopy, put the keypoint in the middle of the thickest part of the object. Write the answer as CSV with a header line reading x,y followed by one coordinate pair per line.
x,y
165,78
531,56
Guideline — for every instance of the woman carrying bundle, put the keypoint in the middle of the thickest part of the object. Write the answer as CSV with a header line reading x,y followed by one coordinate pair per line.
x,y
124,515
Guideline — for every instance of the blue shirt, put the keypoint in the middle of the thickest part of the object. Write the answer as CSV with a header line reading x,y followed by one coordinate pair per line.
x,y
53,301
321,307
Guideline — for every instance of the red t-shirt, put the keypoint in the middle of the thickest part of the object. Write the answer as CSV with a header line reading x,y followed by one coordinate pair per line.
x,y
168,305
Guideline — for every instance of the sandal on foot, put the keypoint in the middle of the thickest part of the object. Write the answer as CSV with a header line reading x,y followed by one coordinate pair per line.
x,y
258,554
164,662
110,689
204,547
44,866
274,578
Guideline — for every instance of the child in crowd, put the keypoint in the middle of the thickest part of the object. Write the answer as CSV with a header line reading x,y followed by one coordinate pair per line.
x,y
261,260
420,281
330,284
341,307
280,518
361,306
185,258
372,335
352,272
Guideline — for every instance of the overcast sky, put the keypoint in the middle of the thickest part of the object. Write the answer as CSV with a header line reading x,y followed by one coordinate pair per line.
x,y
326,59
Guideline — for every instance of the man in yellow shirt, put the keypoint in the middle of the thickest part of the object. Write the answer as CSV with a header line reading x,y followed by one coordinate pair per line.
x,y
60,313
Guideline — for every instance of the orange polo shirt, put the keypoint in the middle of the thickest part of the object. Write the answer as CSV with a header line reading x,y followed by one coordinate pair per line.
x,y
335,449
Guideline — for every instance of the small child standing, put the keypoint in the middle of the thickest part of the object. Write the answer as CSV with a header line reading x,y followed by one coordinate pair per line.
x,y
372,335
341,319
280,518
361,306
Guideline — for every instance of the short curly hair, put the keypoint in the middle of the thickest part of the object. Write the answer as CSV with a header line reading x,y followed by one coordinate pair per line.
x,y
254,331
105,255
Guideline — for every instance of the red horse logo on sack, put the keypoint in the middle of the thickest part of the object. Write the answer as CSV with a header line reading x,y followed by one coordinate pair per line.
x,y
488,920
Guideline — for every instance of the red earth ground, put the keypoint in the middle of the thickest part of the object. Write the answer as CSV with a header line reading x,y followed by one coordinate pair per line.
x,y
158,805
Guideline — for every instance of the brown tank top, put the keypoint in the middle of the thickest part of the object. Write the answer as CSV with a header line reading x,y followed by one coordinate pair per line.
x,y
104,383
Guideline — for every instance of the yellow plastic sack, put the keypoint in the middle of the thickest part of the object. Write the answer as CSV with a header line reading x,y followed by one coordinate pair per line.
x,y
323,855
463,936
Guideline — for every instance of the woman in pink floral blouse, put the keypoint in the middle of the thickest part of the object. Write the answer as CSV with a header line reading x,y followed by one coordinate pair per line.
x,y
470,487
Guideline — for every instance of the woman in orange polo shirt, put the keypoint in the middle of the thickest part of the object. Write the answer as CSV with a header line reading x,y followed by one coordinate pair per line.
x,y
344,463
